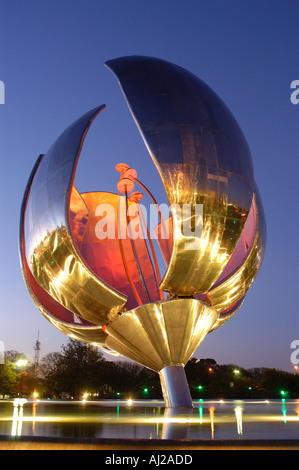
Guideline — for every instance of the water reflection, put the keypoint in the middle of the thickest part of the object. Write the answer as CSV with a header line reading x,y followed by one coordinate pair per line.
x,y
17,418
200,412
284,411
176,423
211,411
230,419
239,416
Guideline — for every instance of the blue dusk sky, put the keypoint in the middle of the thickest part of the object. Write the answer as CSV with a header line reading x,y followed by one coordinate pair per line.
x,y
52,65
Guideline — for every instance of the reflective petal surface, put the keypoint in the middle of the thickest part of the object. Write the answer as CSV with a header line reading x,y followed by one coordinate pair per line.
x,y
60,317
234,286
107,290
49,249
202,158
163,333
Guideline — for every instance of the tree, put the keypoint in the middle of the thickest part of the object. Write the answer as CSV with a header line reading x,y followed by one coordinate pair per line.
x,y
127,379
74,371
8,378
14,377
49,375
280,383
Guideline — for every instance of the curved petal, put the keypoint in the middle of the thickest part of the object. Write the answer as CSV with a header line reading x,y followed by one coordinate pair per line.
x,y
50,252
228,314
63,319
202,158
234,287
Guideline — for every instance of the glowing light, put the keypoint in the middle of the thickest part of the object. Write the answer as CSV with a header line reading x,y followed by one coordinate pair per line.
x,y
129,401
200,410
60,279
22,363
236,371
238,413
17,419
284,411
212,411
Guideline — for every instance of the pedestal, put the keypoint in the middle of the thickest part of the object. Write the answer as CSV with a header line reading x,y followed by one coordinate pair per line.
x,y
175,387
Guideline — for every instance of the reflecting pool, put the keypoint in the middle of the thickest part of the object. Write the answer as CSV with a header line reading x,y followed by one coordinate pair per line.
x,y
141,419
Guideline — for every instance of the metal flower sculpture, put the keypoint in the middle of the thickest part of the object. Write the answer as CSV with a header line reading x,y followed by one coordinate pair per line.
x,y
108,291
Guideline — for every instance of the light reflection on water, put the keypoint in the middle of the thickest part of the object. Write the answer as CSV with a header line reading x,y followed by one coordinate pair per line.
x,y
141,419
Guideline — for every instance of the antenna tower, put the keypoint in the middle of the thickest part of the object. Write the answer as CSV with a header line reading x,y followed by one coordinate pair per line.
x,y
36,355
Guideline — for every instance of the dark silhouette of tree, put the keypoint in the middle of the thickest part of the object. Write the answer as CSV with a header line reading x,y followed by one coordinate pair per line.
x,y
80,368
76,369
8,378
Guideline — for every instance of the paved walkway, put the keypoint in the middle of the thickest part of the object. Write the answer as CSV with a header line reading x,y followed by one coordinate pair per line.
x,y
40,443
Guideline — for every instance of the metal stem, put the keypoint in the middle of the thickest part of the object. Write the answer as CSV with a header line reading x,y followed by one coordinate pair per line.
x,y
175,387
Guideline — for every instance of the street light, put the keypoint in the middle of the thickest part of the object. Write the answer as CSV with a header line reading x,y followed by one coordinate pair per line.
x,y
22,363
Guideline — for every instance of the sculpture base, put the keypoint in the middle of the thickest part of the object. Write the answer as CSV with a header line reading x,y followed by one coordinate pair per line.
x,y
175,387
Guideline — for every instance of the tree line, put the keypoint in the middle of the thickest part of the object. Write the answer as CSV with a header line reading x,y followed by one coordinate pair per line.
x,y
80,370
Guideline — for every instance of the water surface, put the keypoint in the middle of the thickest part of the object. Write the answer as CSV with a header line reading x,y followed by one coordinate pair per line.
x,y
141,419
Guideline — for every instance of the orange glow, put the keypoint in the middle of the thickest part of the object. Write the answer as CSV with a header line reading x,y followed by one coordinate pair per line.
x,y
113,259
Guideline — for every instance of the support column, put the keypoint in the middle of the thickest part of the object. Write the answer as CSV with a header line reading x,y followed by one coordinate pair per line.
x,y
175,387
